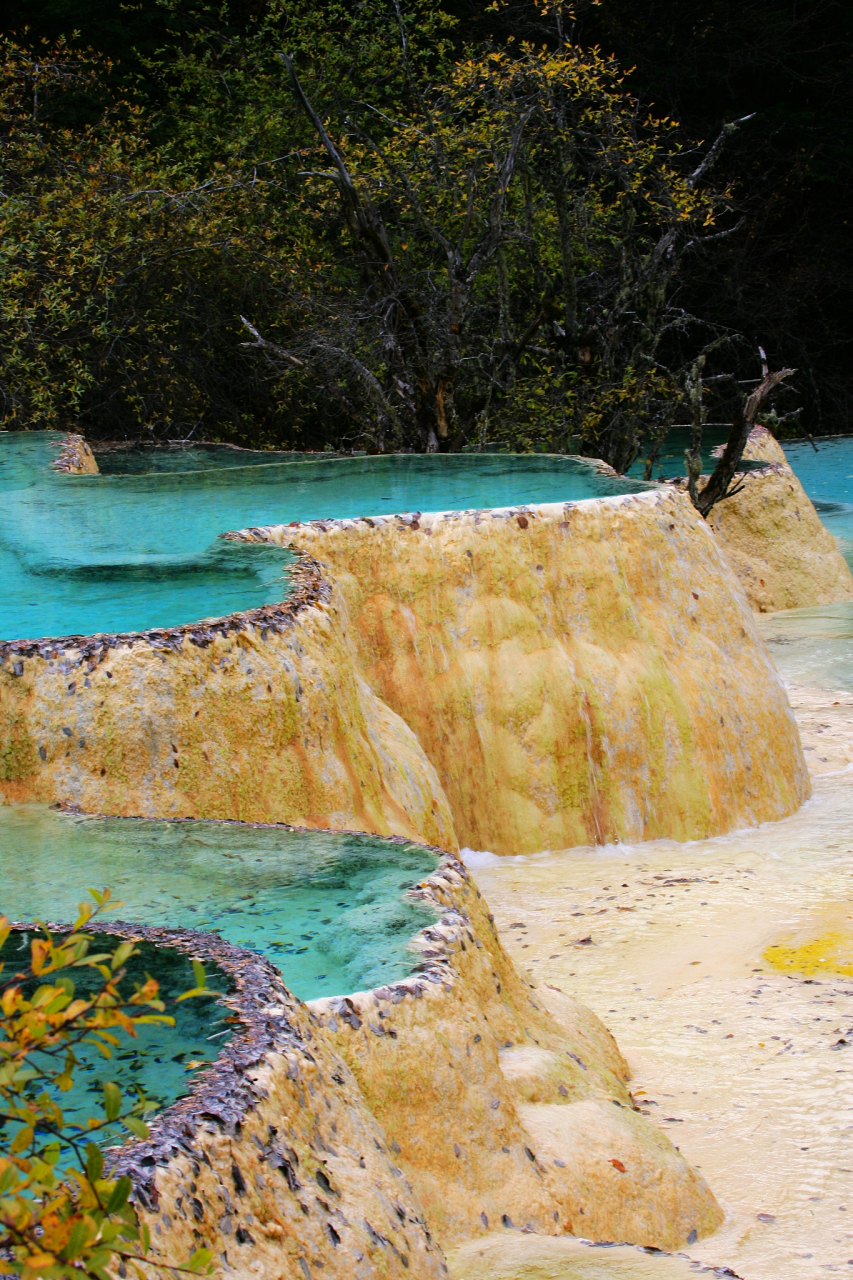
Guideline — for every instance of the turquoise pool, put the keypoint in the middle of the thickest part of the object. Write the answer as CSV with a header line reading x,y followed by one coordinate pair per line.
x,y
159,1062
125,552
827,477
329,910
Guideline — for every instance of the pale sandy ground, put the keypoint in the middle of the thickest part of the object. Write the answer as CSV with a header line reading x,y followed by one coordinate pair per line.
x,y
826,727
748,1069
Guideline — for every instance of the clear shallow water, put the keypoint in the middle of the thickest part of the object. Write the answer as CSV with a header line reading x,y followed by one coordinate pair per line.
x,y
160,1060
81,554
143,460
330,911
827,477
812,647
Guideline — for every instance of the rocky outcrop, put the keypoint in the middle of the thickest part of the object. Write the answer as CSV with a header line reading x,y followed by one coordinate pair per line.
x,y
361,1135
260,718
782,554
504,1108
274,1161
76,458
575,674
518,679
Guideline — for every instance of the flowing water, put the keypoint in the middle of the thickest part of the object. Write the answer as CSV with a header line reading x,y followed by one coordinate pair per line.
x,y
122,552
812,647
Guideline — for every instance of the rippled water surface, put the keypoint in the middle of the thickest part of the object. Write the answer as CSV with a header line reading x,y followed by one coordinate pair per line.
x,y
330,911
812,646
81,554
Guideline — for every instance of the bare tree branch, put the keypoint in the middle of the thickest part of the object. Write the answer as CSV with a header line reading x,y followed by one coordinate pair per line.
x,y
719,485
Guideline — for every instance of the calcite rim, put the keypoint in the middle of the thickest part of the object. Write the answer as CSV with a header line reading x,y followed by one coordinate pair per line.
x,y
221,1092
307,585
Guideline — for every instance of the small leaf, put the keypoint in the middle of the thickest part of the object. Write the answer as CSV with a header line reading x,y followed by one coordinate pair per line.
x,y
118,1198
198,974
94,1162
136,1126
112,1100
120,955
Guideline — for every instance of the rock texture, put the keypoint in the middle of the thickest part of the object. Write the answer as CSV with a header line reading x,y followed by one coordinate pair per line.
x,y
76,458
782,554
359,1136
518,679
274,1161
505,1111
575,674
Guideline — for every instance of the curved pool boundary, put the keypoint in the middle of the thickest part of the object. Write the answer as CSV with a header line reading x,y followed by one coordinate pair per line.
x,y
298,1131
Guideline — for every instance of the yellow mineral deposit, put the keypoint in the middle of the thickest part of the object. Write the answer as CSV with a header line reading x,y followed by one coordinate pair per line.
x,y
511,681
573,674
378,1129
784,558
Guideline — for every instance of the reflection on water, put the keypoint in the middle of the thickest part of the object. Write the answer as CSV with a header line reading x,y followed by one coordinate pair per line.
x,y
148,459
749,1069
80,554
814,646
330,911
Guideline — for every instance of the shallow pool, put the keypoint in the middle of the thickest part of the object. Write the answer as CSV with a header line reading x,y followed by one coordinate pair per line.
x,y
827,477
812,647
158,1063
329,910
81,554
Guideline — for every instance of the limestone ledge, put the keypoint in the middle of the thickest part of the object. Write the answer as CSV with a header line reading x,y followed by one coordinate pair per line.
x,y
506,1104
783,555
362,1135
259,717
575,673
513,680
75,457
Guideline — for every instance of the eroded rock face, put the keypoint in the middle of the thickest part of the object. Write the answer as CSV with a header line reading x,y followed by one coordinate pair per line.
x,y
515,680
260,718
505,1110
275,1162
76,458
577,674
363,1135
782,554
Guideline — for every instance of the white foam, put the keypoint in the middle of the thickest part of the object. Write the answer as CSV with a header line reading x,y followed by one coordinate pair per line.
x,y
474,858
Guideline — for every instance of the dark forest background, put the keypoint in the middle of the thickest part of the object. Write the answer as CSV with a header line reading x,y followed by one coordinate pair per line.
x,y
193,85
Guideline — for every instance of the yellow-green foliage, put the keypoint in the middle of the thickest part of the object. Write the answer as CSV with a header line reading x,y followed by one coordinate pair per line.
x,y
59,1215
